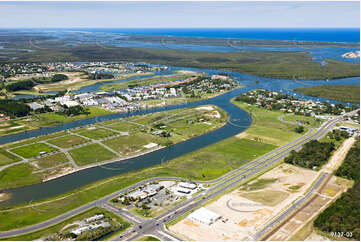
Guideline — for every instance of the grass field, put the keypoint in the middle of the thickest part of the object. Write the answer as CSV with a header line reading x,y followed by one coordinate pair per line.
x,y
91,153
80,80
123,126
146,81
50,161
266,197
130,144
50,119
95,133
7,158
18,175
345,93
33,140
258,184
58,227
29,151
67,141
266,127
309,121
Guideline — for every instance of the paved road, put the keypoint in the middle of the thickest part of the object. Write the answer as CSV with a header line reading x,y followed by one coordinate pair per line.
x,y
225,182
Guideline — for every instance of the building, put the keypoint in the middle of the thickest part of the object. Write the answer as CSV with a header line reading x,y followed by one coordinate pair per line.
x,y
35,106
204,216
94,218
187,185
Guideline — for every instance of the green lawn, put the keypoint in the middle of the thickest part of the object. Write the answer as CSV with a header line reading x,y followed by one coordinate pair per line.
x,y
266,127
345,93
18,175
7,158
91,153
50,161
29,151
95,133
120,221
68,141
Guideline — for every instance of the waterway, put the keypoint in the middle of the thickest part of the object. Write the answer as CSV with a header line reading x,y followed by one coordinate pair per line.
x,y
240,120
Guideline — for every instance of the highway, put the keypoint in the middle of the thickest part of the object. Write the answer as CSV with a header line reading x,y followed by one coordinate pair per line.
x,y
156,226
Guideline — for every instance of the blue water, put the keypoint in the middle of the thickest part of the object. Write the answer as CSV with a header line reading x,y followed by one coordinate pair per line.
x,y
309,34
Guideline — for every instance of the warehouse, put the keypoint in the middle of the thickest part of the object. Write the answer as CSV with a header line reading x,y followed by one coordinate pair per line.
x,y
204,216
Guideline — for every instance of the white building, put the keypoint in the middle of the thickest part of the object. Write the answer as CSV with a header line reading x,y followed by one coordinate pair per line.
x,y
204,216
187,185
94,218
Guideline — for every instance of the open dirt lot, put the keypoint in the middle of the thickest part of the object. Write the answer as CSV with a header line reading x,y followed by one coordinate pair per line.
x,y
316,204
241,217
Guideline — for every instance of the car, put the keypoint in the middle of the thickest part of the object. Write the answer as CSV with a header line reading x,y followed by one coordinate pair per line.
x,y
140,226
156,224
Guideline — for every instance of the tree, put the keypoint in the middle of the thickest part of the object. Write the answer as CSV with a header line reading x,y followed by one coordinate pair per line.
x,y
299,129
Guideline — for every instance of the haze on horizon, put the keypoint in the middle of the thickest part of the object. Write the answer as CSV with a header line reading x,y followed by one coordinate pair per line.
x,y
180,15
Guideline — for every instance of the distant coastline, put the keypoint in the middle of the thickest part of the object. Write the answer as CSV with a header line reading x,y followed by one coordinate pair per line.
x,y
346,35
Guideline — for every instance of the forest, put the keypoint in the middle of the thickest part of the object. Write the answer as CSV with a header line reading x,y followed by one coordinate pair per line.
x,y
344,214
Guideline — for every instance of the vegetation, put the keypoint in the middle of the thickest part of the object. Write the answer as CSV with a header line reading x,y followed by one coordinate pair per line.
x,y
68,141
91,153
17,176
76,110
7,158
147,238
14,108
29,151
275,64
95,133
313,155
266,127
59,77
120,223
266,197
344,214
20,85
345,93
99,76
259,184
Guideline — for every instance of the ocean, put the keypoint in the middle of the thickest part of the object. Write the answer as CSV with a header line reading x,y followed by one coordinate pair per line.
x,y
309,34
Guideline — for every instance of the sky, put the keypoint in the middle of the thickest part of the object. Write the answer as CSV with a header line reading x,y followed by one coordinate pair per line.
x,y
180,14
